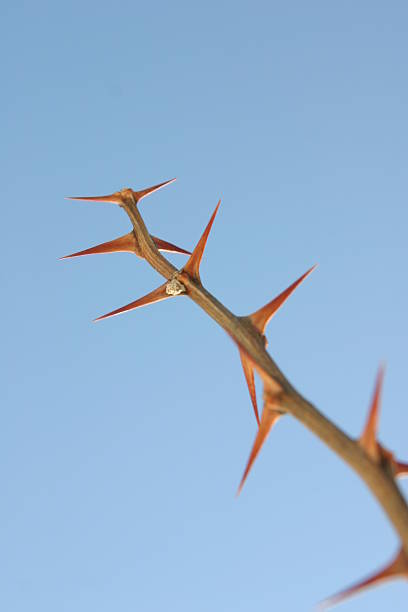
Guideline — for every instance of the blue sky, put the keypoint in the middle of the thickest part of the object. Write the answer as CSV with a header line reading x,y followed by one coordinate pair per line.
x,y
122,443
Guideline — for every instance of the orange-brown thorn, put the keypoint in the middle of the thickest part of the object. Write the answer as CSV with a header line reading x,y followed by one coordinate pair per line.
x,y
139,195
398,568
115,198
192,267
124,244
400,469
368,439
154,296
261,317
397,468
118,196
163,245
250,379
268,418
127,244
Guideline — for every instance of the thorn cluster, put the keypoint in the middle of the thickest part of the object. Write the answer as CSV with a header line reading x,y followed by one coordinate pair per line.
x,y
272,410
127,243
260,319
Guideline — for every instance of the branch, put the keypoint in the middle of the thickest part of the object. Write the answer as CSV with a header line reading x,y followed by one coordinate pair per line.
x,y
375,465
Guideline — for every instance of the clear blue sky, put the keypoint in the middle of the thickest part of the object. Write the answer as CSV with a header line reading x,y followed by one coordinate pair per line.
x,y
122,443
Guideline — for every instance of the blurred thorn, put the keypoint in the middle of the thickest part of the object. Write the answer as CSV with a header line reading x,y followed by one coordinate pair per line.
x,y
400,469
192,267
368,439
250,380
398,568
268,419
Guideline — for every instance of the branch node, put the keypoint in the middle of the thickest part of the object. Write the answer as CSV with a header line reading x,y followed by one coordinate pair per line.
x,y
174,287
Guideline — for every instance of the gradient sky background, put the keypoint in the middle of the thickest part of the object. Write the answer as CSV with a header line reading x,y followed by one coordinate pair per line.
x,y
122,443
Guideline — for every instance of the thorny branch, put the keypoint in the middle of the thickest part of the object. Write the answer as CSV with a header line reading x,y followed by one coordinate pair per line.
x,y
376,466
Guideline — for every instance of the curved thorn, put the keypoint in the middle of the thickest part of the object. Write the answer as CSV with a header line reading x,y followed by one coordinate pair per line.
x,y
261,317
154,296
139,195
192,267
268,419
250,380
162,245
368,439
124,244
398,568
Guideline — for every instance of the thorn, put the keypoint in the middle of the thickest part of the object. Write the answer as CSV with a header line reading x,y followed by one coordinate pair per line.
x,y
368,439
398,568
139,195
386,457
118,196
272,386
162,245
192,267
250,379
268,419
400,469
154,296
124,244
261,317
127,244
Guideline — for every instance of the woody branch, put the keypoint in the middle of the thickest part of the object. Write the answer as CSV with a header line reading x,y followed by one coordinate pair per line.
x,y
375,465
